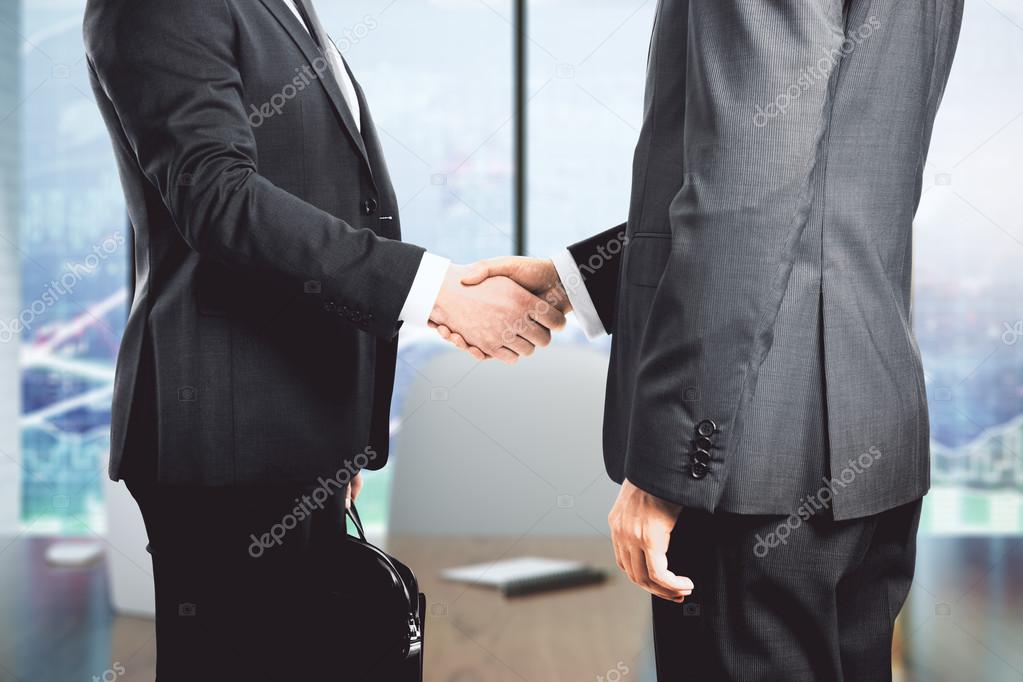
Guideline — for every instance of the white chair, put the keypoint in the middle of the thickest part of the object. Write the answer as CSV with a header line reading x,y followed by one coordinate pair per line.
x,y
129,567
488,449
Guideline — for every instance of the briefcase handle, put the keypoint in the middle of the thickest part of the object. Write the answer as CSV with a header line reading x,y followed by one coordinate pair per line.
x,y
415,627
353,514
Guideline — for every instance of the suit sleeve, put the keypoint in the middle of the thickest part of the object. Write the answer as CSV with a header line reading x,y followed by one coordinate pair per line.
x,y
599,262
756,124
169,71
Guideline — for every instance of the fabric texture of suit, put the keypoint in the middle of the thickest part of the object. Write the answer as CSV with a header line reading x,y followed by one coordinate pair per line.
x,y
782,602
270,275
231,605
763,292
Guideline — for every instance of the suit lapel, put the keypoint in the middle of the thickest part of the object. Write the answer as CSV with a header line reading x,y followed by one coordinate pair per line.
x,y
327,80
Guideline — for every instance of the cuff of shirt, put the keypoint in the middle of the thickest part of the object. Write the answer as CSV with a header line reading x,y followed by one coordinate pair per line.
x,y
425,289
578,295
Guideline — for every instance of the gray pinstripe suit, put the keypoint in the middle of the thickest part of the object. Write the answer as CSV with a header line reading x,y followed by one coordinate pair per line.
x,y
765,282
763,363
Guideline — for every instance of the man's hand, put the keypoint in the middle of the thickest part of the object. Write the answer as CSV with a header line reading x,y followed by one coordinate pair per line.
x,y
641,526
494,315
535,274
353,490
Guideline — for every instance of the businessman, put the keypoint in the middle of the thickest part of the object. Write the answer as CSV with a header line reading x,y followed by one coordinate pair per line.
x,y
765,409
270,281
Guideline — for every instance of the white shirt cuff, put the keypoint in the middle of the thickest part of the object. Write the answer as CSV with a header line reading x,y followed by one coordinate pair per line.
x,y
425,289
578,296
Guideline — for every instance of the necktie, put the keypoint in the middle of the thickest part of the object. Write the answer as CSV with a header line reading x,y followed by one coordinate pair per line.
x,y
337,67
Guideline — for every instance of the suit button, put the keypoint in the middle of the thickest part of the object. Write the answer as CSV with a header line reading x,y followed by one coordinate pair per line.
x,y
706,428
329,306
698,470
699,457
355,317
703,443
369,207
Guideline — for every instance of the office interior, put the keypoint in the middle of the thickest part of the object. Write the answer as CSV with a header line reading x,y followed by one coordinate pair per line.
x,y
509,126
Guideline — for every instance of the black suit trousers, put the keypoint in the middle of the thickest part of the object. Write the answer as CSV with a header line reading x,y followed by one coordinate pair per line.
x,y
232,603
785,599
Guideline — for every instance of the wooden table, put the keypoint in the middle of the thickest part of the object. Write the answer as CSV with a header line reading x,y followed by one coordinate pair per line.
x,y
56,625
476,635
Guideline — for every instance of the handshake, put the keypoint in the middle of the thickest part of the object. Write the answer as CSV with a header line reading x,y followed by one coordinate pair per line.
x,y
501,308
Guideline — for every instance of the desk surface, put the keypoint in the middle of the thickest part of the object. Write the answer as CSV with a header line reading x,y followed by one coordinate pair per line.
x,y
56,625
474,634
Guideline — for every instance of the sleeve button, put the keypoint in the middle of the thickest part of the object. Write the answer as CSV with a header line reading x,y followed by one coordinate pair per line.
x,y
698,470
706,428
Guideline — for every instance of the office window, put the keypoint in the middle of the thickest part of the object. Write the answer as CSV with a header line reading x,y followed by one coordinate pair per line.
x,y
968,280
586,74
74,253
587,61
10,264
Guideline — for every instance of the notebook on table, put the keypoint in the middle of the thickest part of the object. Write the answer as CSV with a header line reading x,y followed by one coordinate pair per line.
x,y
526,575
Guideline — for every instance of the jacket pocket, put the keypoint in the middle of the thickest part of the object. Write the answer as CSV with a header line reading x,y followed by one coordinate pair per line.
x,y
647,257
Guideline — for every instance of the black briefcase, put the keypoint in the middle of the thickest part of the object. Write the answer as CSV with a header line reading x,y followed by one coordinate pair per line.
x,y
383,613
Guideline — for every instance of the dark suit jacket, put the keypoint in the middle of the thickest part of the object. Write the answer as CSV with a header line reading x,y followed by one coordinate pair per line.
x,y
763,292
270,274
